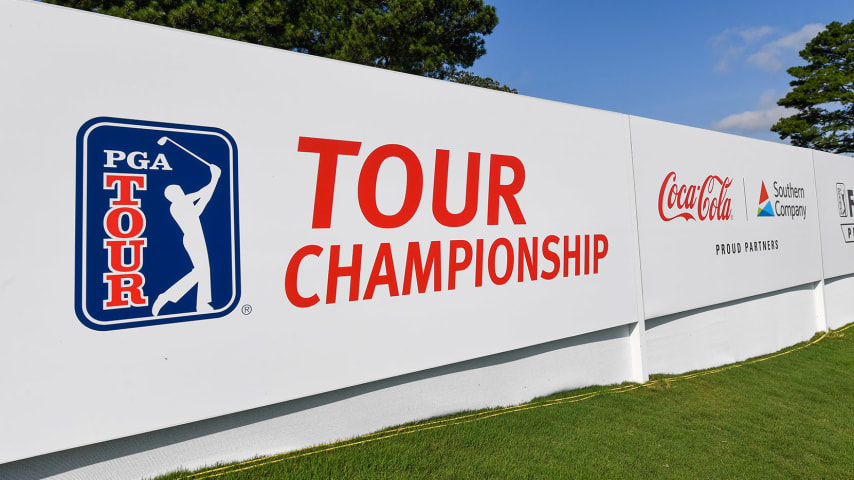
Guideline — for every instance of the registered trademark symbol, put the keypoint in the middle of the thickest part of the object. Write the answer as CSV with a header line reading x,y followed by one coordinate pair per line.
x,y
246,309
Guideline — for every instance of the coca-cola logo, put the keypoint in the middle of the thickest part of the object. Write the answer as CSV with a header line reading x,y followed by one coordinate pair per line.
x,y
707,201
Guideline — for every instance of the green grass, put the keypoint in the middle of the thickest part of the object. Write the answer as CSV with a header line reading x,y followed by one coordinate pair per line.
x,y
787,416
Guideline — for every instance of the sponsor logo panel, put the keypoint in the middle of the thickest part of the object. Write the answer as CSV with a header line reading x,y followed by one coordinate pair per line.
x,y
711,200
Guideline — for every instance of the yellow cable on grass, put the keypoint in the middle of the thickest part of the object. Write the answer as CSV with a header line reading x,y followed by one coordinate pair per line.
x,y
473,417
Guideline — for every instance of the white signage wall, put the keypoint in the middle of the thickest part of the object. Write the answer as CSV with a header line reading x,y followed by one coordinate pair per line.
x,y
202,226
834,180
720,217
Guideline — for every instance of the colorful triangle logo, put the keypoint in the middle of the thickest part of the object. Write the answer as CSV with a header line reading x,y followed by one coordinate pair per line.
x,y
765,209
763,196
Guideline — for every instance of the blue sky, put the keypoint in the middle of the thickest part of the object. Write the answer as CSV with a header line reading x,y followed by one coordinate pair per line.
x,y
717,65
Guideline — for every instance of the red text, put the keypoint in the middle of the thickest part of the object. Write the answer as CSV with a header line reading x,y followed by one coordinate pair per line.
x,y
709,201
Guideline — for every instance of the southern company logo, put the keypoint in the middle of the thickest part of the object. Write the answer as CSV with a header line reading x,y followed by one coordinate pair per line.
x,y
788,201
156,226
765,208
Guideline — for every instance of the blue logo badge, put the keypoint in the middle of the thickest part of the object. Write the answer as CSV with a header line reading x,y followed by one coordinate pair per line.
x,y
156,229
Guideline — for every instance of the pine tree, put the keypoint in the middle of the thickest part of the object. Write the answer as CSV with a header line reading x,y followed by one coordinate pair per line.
x,y
823,93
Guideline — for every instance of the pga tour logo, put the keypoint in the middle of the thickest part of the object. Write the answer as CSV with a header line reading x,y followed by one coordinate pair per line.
x,y
157,237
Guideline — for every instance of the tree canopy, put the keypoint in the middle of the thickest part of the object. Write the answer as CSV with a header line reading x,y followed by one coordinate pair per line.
x,y
469,78
823,93
434,38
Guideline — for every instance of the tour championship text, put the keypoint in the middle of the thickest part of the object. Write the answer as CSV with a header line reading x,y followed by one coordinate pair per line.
x,y
431,265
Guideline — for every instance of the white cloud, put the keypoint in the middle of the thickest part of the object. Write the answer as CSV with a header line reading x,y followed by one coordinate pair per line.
x,y
768,99
761,119
769,56
733,42
753,120
768,61
797,40
745,34
723,64
750,34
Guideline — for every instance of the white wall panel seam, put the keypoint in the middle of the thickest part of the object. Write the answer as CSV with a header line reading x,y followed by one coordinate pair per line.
x,y
821,294
637,336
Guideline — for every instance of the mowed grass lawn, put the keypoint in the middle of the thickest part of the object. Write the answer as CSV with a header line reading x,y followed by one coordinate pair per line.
x,y
788,415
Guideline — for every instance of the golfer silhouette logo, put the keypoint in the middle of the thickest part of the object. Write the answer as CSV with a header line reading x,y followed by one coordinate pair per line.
x,y
157,237
186,209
